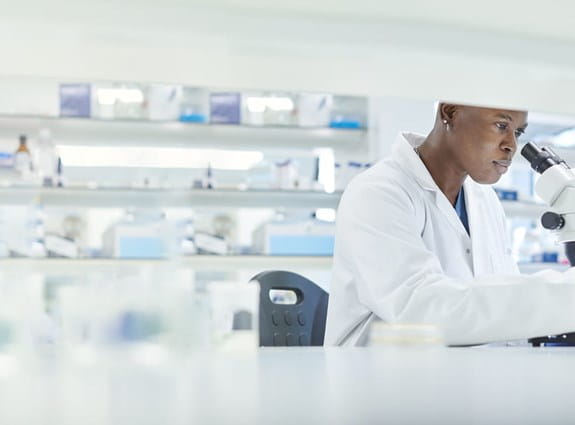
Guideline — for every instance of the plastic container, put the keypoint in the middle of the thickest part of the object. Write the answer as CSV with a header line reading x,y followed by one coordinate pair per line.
x,y
225,108
119,101
194,107
313,110
46,159
268,109
164,102
349,112
404,335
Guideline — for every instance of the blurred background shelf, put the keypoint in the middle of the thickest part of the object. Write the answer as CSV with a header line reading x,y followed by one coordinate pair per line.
x,y
81,131
152,198
197,262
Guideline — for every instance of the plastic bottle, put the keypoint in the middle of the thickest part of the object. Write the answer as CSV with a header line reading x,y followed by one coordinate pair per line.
x,y
47,159
208,182
23,159
59,178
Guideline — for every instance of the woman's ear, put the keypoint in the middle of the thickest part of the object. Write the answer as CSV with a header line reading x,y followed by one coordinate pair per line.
x,y
447,111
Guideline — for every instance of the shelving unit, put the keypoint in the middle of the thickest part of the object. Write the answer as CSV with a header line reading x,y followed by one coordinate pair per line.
x,y
80,131
196,262
132,182
152,198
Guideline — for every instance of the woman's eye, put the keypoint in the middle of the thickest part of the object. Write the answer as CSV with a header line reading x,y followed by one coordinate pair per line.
x,y
501,126
519,132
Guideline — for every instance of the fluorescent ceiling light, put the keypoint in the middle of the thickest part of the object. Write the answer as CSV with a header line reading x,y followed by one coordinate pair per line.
x,y
148,157
277,104
111,96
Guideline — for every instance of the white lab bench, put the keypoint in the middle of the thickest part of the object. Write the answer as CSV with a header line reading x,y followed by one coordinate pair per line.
x,y
491,385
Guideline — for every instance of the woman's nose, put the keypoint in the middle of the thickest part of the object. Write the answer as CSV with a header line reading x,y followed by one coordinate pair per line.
x,y
510,144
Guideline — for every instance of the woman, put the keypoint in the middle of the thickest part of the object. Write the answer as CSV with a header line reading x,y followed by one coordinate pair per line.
x,y
421,239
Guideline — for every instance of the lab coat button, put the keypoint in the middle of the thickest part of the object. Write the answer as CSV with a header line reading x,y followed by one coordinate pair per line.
x,y
288,318
275,318
468,251
301,318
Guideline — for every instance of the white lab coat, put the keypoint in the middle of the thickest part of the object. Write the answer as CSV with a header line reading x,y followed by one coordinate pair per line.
x,y
403,254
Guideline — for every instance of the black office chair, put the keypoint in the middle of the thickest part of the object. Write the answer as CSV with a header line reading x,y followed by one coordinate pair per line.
x,y
299,324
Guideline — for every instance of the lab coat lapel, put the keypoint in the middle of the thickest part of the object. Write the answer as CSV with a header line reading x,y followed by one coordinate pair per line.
x,y
475,202
403,152
448,210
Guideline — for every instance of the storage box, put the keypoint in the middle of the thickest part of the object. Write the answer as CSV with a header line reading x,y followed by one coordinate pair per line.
x,y
130,240
312,237
225,108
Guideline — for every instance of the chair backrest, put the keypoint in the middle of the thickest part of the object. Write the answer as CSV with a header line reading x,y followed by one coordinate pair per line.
x,y
299,324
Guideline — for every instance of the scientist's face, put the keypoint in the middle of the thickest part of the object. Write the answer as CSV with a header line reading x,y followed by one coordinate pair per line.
x,y
484,140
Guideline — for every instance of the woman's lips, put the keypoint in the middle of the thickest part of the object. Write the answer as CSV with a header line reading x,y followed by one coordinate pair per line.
x,y
502,165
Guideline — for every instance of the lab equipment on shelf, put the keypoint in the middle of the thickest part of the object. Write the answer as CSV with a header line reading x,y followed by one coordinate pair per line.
x,y
349,112
75,100
194,106
268,109
313,110
286,174
121,101
300,237
164,102
22,230
206,243
140,234
225,108
46,159
23,159
507,194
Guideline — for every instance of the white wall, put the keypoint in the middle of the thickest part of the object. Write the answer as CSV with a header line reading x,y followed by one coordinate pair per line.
x,y
392,115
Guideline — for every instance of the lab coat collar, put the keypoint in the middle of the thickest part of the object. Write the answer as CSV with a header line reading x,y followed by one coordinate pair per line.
x,y
403,152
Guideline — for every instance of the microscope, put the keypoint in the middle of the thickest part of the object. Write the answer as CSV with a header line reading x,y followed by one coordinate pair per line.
x,y
556,186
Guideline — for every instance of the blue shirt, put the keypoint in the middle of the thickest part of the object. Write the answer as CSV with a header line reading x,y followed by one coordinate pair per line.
x,y
461,209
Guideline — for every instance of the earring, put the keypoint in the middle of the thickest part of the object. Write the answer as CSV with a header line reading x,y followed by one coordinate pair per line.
x,y
444,121
446,124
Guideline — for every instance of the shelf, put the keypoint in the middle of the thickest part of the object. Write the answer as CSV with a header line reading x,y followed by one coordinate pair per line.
x,y
157,198
196,262
82,131
194,198
523,209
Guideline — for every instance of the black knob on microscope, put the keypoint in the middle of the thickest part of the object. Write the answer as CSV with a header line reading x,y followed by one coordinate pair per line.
x,y
552,221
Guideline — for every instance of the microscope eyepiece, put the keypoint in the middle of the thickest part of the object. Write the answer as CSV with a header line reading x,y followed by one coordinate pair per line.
x,y
540,158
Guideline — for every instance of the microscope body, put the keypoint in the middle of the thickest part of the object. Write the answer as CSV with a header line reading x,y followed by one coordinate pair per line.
x,y
556,186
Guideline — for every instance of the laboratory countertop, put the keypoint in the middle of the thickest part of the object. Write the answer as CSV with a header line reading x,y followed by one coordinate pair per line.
x,y
385,385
